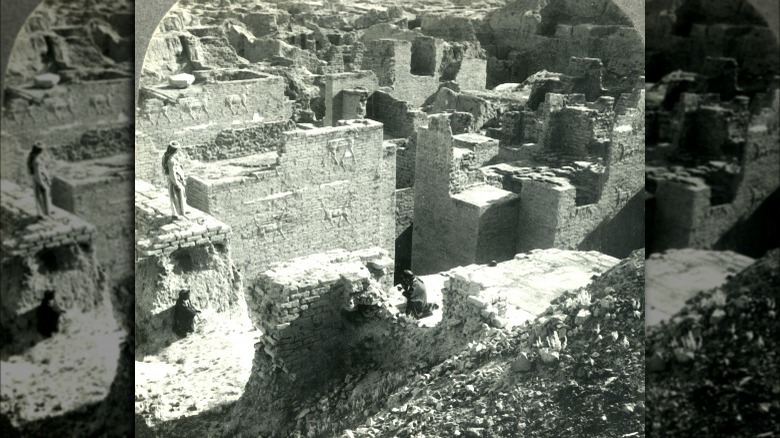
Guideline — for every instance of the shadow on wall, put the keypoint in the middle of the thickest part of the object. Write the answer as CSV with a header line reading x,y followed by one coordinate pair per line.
x,y
403,254
622,234
756,234
20,334
157,334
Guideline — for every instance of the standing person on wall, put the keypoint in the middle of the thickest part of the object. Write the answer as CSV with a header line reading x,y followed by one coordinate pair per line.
x,y
41,180
176,183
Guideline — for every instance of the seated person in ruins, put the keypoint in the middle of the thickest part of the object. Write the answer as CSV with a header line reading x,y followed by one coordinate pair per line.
x,y
41,180
416,296
184,314
48,315
177,184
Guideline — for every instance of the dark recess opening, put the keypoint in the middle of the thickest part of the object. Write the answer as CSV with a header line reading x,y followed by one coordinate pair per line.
x,y
57,259
423,57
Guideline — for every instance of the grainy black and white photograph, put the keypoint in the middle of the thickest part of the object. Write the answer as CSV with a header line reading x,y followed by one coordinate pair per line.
x,y
713,245
390,219
66,322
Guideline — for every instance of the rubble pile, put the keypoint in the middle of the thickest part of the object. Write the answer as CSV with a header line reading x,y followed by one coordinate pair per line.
x,y
712,369
575,370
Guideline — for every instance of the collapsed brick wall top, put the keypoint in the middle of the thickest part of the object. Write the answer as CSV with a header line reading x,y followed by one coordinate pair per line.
x,y
24,234
158,233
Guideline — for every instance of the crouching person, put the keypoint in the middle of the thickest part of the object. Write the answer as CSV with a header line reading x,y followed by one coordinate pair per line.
x,y
48,315
184,314
416,296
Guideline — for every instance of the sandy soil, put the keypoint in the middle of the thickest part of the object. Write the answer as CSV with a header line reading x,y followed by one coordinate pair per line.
x,y
70,370
193,375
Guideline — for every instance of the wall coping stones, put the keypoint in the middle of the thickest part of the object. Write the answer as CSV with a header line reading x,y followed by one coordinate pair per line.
x,y
156,231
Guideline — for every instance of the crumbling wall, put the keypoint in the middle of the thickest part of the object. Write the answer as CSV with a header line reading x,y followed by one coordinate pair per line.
x,y
298,306
517,290
219,98
335,84
205,269
172,255
414,68
38,255
62,114
399,118
332,187
693,210
303,307
457,219
544,36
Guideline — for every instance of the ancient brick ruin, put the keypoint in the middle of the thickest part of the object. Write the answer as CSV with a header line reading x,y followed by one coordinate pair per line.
x,y
69,86
342,144
713,136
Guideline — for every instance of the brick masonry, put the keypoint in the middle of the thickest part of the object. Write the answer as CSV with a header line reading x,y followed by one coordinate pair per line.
x,y
53,253
327,188
159,234
687,213
101,192
550,202
24,235
298,305
225,99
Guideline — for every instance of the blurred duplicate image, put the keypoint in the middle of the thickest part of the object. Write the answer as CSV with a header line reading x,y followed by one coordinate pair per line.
x,y
66,322
712,179
390,218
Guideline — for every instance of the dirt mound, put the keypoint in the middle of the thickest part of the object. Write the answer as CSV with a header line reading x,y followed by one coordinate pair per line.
x,y
712,368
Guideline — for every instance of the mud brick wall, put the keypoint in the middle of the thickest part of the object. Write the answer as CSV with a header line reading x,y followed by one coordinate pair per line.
x,y
14,153
71,108
23,234
97,143
336,83
699,223
399,118
205,269
404,209
448,230
326,192
157,233
219,104
298,306
391,61
68,110
623,179
234,143
620,48
148,159
472,74
101,192
174,255
36,255
756,46
484,149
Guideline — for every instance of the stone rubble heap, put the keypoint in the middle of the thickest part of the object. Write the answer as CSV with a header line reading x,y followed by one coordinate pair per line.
x,y
712,369
581,361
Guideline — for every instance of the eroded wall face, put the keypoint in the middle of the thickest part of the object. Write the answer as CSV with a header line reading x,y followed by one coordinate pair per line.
x,y
333,188
164,116
205,269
